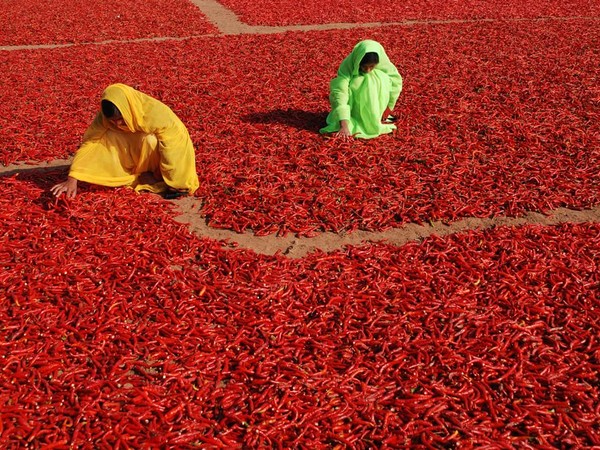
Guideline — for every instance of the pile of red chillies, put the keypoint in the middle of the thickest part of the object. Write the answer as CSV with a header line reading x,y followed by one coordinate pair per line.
x,y
121,329
68,21
308,12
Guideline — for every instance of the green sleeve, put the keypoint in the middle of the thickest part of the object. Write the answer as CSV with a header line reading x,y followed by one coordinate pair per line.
x,y
390,69
339,98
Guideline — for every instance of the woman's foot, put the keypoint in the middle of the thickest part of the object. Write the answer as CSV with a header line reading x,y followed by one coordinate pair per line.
x,y
171,195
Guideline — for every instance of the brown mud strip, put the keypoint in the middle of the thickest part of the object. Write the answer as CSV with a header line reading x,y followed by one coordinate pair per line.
x,y
189,211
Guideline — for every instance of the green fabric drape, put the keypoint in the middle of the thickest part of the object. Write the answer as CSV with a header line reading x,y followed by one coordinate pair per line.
x,y
361,98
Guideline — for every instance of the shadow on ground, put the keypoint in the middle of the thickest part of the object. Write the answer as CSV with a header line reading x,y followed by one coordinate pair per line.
x,y
296,118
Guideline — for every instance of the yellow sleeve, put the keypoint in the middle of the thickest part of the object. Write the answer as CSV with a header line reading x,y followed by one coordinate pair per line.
x,y
177,157
103,158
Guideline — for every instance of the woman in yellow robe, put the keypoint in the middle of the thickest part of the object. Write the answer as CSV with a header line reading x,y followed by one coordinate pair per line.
x,y
364,94
137,141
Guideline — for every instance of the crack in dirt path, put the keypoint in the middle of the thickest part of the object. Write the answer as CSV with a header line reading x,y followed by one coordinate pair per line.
x,y
189,211
298,247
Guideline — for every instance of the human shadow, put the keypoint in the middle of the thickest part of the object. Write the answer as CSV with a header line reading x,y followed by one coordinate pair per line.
x,y
44,177
39,175
297,118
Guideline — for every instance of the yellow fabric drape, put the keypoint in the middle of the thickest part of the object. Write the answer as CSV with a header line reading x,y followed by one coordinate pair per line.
x,y
155,140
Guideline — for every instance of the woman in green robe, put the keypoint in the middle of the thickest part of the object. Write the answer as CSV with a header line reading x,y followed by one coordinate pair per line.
x,y
363,94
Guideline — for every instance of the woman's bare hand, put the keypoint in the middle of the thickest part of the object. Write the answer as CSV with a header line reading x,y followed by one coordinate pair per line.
x,y
344,132
69,187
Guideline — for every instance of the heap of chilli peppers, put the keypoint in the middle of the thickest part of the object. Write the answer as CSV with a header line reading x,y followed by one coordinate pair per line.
x,y
121,329
67,21
310,12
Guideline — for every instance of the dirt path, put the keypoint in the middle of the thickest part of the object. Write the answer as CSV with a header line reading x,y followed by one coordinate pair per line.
x,y
229,23
298,247
189,211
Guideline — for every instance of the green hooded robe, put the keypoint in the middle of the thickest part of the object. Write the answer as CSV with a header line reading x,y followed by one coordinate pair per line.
x,y
361,98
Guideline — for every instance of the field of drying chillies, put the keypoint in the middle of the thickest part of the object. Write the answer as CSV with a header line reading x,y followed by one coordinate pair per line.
x,y
71,21
284,12
119,328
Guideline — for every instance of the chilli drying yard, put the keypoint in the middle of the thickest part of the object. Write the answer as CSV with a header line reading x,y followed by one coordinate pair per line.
x,y
123,326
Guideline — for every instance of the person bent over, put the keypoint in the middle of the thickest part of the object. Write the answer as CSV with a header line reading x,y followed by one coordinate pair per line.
x,y
137,141
363,94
